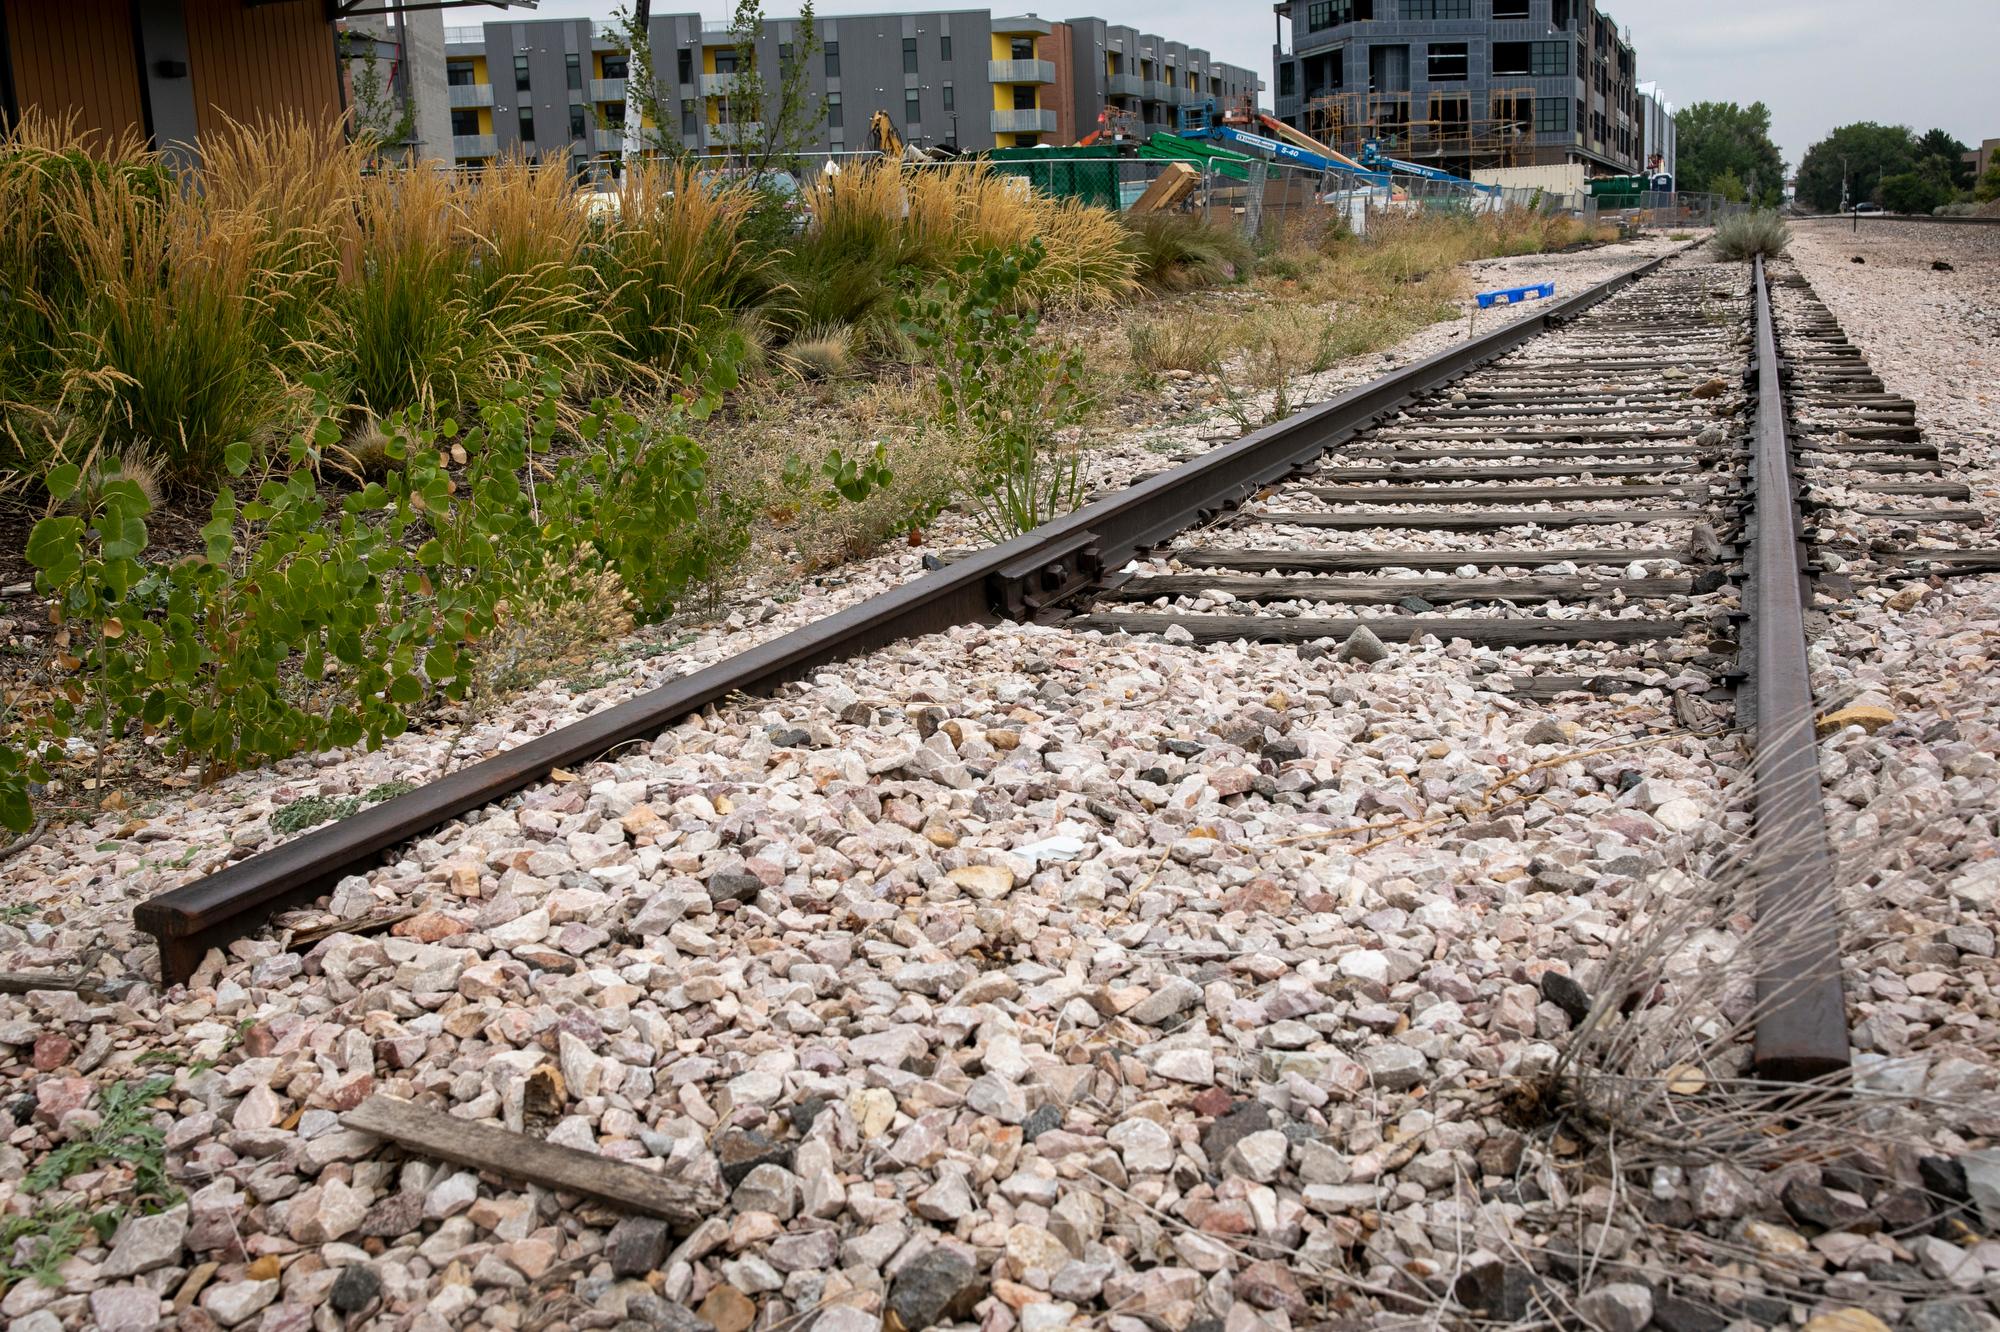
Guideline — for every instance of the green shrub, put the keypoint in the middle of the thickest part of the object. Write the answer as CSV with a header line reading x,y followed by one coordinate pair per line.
x,y
1001,392
677,265
305,626
1174,252
1748,235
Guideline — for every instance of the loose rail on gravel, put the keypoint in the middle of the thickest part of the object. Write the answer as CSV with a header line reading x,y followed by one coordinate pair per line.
x,y
1020,579
1546,429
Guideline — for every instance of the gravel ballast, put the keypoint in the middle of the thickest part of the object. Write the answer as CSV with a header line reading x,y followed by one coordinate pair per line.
x,y
1032,979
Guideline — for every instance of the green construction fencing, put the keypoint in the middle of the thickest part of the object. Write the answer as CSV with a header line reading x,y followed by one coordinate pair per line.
x,y
1088,174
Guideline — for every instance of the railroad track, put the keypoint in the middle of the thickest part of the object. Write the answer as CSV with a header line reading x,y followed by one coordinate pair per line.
x,y
1614,472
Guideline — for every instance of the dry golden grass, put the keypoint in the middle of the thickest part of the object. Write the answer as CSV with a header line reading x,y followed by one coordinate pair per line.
x,y
1185,340
675,265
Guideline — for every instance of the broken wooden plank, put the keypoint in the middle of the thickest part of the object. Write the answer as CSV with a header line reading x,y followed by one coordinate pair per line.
x,y
89,987
1390,629
1453,522
618,1184
1951,490
1970,517
1390,591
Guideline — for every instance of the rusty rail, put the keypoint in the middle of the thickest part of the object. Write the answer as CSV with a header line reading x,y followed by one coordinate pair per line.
x,y
1019,578
1801,1012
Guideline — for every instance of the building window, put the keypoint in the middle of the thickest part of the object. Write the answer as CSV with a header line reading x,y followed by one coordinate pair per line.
x,y
520,73
1510,9
944,48
1327,13
909,55
1543,59
687,116
1024,98
833,60
950,98
833,120
684,66
1551,115
458,74
1288,79
725,61
1021,48
464,121
527,118
1027,140
912,112
1559,14
614,114
1449,62
1437,9
615,66
577,125
573,70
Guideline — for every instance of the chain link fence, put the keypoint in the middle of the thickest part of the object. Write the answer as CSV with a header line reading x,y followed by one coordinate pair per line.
x,y
1259,197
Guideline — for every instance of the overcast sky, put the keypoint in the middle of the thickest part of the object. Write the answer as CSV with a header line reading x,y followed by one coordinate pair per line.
x,y
1815,63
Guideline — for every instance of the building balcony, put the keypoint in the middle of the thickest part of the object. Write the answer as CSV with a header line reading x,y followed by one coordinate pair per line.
x,y
718,85
607,90
1158,91
1021,71
474,145
608,140
470,94
734,134
1022,24
1024,122
1126,85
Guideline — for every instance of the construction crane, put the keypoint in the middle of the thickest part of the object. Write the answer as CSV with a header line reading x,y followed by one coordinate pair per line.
x,y
1285,151
1373,157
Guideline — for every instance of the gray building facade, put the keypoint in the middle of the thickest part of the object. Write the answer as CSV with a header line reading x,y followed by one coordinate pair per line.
x,y
1462,83
1148,78
967,79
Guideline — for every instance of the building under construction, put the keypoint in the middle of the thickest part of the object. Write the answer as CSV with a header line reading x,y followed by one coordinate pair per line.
x,y
1461,84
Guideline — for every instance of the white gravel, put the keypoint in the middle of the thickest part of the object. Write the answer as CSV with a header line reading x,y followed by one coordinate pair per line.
x,y
1095,980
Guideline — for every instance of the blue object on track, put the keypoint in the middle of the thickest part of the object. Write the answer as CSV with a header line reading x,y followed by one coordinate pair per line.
x,y
1509,295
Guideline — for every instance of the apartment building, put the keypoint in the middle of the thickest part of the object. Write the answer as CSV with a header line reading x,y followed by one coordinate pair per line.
x,y
1462,84
540,88
966,79
1146,76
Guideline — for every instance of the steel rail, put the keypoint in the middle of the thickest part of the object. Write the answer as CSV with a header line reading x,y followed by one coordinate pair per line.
x,y
1801,1013
1014,580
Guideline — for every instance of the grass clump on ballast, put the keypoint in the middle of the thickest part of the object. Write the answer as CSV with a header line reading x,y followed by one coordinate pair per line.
x,y
1748,235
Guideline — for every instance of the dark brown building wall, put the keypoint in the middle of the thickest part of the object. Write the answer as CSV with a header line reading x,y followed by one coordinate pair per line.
x,y
1057,47
77,57
249,64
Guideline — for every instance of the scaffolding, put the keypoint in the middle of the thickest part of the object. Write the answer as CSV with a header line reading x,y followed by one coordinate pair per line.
x,y
1437,130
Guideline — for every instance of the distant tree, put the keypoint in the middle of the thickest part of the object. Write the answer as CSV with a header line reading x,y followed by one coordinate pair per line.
x,y
786,110
1865,152
1729,185
1940,146
1987,187
1913,192
380,116
1721,139
652,115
